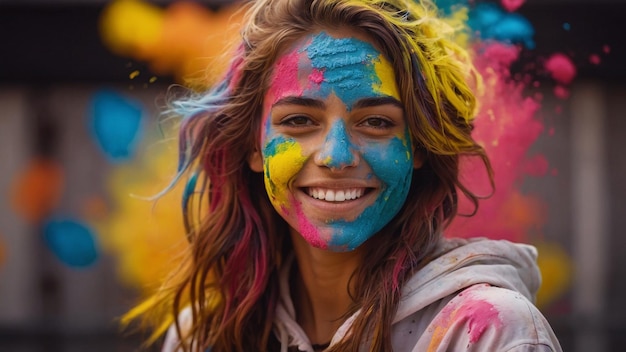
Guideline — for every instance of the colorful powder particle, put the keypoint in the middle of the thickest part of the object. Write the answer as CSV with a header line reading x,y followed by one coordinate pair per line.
x,y
116,124
606,49
556,271
567,26
512,5
595,59
37,190
561,92
152,79
490,21
561,68
133,74
72,242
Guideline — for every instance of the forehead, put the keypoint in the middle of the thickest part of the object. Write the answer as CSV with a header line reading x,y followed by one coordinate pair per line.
x,y
324,62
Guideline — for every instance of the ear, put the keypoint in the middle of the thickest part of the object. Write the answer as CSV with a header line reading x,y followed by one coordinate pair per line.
x,y
419,157
255,160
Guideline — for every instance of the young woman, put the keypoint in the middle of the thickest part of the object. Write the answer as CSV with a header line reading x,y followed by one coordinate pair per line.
x,y
323,171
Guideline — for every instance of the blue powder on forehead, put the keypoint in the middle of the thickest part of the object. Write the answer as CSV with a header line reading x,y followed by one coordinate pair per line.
x,y
347,64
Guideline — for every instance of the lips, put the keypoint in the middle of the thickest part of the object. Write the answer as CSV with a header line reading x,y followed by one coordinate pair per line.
x,y
336,195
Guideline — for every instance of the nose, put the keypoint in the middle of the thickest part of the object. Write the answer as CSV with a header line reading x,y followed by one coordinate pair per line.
x,y
337,152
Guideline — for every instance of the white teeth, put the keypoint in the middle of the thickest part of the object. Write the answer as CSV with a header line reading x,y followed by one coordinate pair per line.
x,y
330,195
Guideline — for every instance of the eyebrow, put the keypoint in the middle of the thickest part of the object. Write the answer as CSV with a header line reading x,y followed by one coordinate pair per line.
x,y
377,101
307,102
319,104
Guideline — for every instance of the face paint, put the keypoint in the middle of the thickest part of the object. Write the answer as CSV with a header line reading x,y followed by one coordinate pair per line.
x,y
337,150
337,73
349,68
392,164
282,160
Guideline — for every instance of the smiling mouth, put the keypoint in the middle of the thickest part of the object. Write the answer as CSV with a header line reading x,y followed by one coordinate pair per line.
x,y
336,195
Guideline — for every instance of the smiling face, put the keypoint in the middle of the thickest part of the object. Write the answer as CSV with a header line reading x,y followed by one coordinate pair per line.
x,y
336,152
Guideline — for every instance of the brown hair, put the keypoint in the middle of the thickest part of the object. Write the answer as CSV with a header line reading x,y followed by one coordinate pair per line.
x,y
230,276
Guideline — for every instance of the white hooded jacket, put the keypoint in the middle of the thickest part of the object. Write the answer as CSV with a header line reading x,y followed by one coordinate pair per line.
x,y
475,296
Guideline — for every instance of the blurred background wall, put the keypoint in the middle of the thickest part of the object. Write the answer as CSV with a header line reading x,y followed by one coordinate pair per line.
x,y
66,169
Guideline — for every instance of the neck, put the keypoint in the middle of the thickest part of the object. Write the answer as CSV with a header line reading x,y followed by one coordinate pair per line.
x,y
320,288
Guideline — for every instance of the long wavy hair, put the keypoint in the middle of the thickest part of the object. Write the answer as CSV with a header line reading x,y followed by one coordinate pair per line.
x,y
237,242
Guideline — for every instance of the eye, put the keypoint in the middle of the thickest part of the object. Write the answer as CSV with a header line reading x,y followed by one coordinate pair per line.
x,y
377,122
297,121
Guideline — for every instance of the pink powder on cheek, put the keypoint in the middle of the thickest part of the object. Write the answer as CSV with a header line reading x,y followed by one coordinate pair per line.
x,y
309,232
477,314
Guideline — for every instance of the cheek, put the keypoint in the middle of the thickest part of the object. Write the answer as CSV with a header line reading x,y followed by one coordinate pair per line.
x,y
392,163
282,160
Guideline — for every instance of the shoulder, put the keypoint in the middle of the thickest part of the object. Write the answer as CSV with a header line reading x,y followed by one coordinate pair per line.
x,y
172,340
484,317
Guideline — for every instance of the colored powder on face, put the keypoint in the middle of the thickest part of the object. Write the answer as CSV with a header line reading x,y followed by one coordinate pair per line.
x,y
561,68
347,63
386,76
285,78
316,77
307,230
337,151
283,159
392,164
351,69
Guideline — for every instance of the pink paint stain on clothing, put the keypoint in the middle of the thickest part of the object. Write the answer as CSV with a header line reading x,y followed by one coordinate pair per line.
x,y
480,315
561,68
506,126
476,314
512,5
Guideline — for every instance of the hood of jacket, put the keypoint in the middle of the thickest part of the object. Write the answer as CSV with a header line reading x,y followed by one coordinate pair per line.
x,y
461,263
458,264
